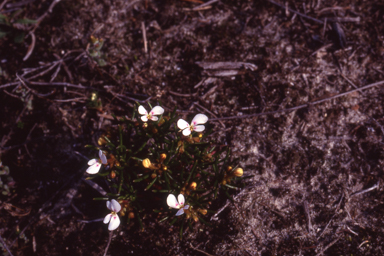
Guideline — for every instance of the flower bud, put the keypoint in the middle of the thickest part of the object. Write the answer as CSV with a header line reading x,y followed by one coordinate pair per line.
x,y
147,163
131,215
229,168
238,172
193,186
163,156
145,125
113,174
203,211
153,175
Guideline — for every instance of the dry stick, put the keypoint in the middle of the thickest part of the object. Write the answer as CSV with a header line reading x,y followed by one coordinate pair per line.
x,y
5,246
298,13
194,248
144,37
205,4
327,247
337,207
300,106
197,104
366,190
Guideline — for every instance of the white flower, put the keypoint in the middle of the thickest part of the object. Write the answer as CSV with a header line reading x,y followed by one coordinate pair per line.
x,y
95,164
152,115
112,218
177,204
198,119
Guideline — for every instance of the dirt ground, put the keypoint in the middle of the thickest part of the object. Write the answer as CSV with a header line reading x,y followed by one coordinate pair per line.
x,y
295,88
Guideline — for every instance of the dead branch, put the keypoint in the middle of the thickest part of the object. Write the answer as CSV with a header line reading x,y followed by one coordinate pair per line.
x,y
300,106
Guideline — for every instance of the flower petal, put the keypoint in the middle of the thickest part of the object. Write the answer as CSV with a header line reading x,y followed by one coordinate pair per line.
x,y
199,119
114,223
186,132
157,110
115,206
103,158
142,110
144,118
186,207
182,124
179,212
172,202
199,128
107,218
154,118
92,161
181,199
93,169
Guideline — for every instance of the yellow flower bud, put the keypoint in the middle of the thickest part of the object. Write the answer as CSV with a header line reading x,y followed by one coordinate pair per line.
x,y
203,211
238,172
145,125
229,168
147,163
193,186
163,156
165,168
153,175
113,174
131,215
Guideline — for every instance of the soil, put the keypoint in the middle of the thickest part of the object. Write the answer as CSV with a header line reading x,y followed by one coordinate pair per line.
x,y
270,75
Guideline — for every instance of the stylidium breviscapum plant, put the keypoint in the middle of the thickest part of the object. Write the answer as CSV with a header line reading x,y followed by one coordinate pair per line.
x,y
154,155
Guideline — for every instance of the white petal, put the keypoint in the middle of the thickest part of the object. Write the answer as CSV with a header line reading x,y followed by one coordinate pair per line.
x,y
172,202
182,124
109,205
186,132
181,200
186,207
157,110
92,161
144,118
93,169
107,218
114,223
154,118
199,119
142,110
179,212
103,158
115,206
199,128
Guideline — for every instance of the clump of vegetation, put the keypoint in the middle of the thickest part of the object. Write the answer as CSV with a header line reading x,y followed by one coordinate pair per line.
x,y
152,157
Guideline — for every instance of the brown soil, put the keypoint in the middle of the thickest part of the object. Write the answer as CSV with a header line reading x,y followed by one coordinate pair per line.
x,y
317,170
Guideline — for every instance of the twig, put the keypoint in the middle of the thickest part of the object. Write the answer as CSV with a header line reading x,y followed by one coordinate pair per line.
x,y
183,95
144,37
3,3
205,4
203,252
197,104
366,190
301,106
31,46
327,247
329,222
5,246
214,217
308,215
298,13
